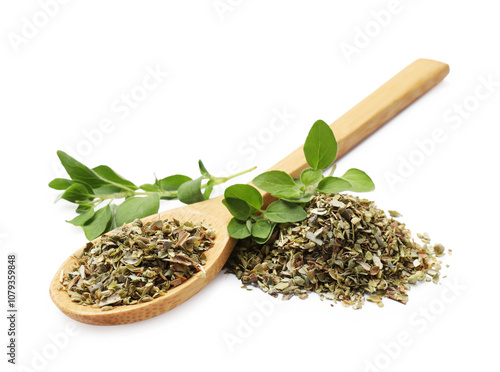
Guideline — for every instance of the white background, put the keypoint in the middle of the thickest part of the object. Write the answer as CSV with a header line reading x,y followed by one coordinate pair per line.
x,y
65,69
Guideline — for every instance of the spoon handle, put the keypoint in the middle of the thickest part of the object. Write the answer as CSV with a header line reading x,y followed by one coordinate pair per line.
x,y
375,110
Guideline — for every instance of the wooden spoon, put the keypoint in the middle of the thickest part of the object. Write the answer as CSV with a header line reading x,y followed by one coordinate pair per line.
x,y
350,129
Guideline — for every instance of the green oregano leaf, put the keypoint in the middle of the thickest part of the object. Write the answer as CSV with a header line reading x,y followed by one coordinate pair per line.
x,y
111,189
98,223
287,193
208,189
238,229
169,184
274,181
79,172
109,174
83,218
282,211
76,193
310,177
61,183
249,225
190,192
334,185
304,198
262,240
83,207
151,187
265,226
203,169
261,229
359,180
320,148
238,208
137,207
172,183
247,193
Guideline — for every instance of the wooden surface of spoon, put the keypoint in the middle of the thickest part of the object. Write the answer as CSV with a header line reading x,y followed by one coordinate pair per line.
x,y
350,129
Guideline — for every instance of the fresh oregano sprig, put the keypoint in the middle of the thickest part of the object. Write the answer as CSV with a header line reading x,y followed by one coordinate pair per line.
x,y
91,188
244,202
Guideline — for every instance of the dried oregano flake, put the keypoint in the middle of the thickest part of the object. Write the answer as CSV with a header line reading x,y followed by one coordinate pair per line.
x,y
137,263
346,250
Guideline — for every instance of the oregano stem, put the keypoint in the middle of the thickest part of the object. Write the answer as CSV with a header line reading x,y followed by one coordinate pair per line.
x,y
219,180
102,197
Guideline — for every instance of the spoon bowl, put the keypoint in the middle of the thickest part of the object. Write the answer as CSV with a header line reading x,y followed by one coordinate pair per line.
x,y
213,213
350,129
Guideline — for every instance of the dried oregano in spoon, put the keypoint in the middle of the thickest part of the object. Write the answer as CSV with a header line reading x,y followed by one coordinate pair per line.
x,y
345,249
137,263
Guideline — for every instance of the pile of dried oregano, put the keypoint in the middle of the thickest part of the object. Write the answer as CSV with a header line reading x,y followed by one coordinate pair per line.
x,y
345,250
137,263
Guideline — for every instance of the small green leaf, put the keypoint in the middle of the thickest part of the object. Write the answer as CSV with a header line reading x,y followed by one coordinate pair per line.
x,y
261,229
80,172
262,241
109,189
298,182
172,183
76,193
301,199
311,176
98,223
151,187
190,192
320,148
137,207
95,178
249,225
238,229
60,183
203,170
63,184
359,180
109,174
274,181
238,208
282,211
287,193
334,185
112,222
169,184
245,192
208,189
82,218
83,207
265,239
